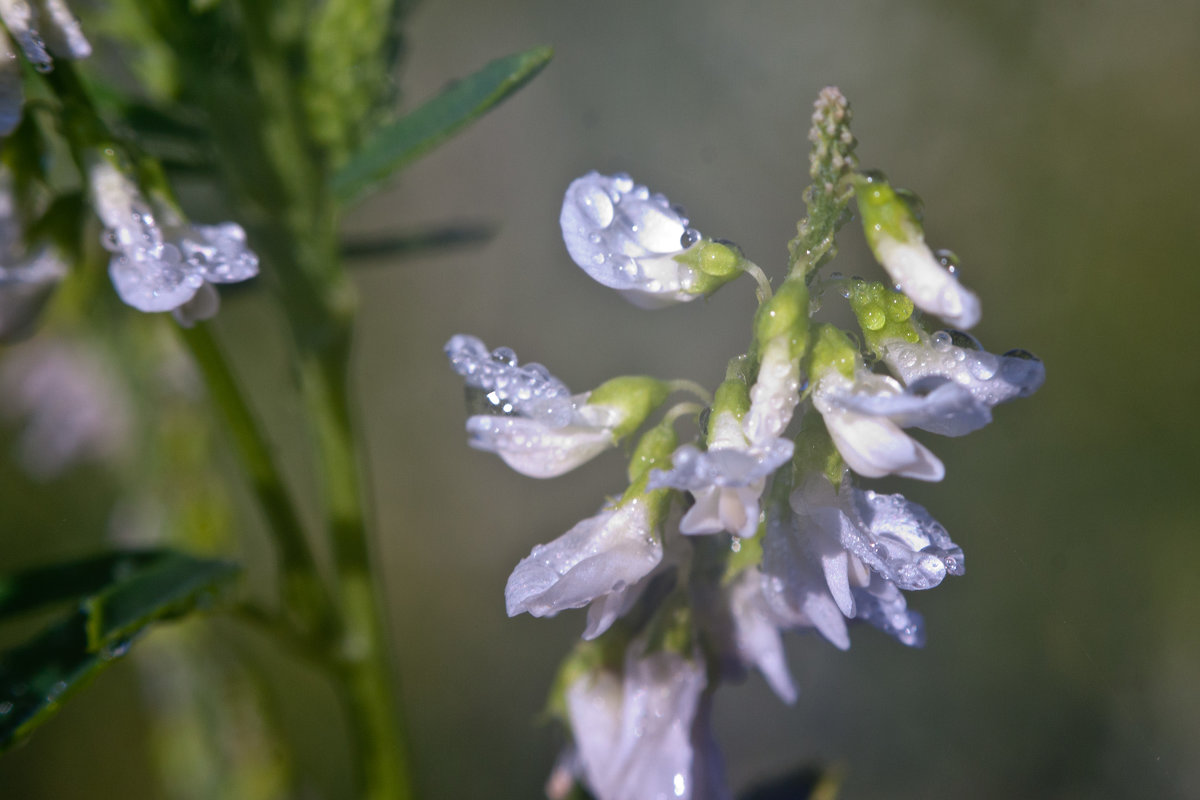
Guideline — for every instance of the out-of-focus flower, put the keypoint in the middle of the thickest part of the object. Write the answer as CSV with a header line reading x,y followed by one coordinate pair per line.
x,y
44,30
642,733
27,276
898,242
536,425
161,262
72,409
639,244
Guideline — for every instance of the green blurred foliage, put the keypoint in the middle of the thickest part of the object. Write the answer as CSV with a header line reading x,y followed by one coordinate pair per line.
x,y
1053,147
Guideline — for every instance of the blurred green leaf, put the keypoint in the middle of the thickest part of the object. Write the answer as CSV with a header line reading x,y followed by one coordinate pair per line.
x,y
396,145
37,676
41,586
423,242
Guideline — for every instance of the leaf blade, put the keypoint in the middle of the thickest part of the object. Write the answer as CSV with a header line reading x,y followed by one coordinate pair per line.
x,y
418,132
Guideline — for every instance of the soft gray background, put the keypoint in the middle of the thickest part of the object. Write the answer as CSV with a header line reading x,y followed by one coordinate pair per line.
x,y
1054,147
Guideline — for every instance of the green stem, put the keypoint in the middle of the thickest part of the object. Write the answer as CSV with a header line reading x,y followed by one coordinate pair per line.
x,y
304,593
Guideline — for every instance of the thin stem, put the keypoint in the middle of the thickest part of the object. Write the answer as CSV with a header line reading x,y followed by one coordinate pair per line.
x,y
306,595
685,385
763,292
681,409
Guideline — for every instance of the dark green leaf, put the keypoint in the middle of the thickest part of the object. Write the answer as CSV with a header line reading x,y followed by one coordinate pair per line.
x,y
71,580
36,677
406,245
399,143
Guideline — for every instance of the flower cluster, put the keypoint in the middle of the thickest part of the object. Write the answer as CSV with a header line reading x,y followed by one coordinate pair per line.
x,y
776,531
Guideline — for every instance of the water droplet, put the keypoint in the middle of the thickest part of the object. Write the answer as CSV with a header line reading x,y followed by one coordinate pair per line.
x,y
690,237
947,259
1022,354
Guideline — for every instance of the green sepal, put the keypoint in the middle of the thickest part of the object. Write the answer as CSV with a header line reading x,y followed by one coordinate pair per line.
x,y
713,265
816,453
885,214
635,395
784,315
732,397
671,629
883,314
653,450
833,349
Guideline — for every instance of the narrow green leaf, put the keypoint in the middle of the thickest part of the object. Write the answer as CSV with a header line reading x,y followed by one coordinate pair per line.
x,y
70,580
395,145
37,676
423,242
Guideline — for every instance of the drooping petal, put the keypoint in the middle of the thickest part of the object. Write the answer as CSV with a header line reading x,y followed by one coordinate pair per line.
x,y
535,449
991,379
933,404
510,388
930,285
635,732
883,605
756,634
600,555
628,239
872,446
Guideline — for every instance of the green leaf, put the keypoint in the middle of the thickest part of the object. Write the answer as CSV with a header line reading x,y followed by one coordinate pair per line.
x,y
396,145
424,242
37,676
70,580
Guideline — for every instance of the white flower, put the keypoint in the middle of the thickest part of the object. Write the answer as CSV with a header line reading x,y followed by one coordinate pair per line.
x,y
537,426
920,275
629,240
160,262
643,734
43,29
27,277
73,411
958,357
864,417
601,556
726,480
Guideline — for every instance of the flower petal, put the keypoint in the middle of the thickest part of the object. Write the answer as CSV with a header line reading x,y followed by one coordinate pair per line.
x,y
627,239
600,555
532,448
913,267
957,356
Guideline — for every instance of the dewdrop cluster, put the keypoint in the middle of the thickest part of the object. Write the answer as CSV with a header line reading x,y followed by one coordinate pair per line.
x,y
748,510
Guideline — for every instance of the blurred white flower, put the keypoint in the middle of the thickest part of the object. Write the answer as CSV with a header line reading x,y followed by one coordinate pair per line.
x,y
633,241
71,408
160,262
44,30
27,276
643,734
596,561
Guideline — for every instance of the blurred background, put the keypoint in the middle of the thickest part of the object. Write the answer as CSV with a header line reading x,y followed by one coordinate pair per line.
x,y
1054,146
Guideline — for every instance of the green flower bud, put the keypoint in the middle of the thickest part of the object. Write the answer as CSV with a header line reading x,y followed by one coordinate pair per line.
x,y
633,397
784,315
883,314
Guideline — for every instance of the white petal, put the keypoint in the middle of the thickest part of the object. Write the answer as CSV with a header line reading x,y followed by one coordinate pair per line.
x,y
883,605
635,737
957,356
62,32
602,554
875,446
756,634
913,267
204,305
533,448
627,239
25,288
18,16
775,393
529,390
934,404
